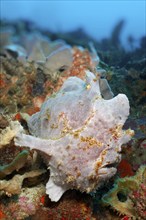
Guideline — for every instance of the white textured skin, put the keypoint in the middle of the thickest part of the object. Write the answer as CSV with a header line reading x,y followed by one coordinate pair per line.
x,y
82,133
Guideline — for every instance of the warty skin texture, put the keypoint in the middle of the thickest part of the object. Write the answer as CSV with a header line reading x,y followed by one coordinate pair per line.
x,y
81,132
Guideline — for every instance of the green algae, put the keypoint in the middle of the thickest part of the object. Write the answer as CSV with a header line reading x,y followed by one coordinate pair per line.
x,y
16,164
118,197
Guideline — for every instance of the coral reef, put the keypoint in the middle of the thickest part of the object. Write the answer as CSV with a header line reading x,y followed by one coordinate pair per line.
x,y
23,205
66,129
128,195
138,199
34,65
16,164
72,206
136,94
125,168
40,70
8,134
134,155
14,185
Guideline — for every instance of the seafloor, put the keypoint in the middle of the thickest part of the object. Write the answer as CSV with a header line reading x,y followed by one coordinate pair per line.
x,y
25,84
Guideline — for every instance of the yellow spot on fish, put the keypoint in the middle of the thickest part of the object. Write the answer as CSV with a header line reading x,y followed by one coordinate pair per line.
x,y
88,86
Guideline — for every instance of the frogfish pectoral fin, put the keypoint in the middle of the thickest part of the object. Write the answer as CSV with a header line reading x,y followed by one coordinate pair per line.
x,y
33,143
54,191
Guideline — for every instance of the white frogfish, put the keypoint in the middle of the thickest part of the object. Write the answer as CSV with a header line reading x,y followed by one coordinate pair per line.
x,y
82,134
